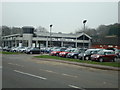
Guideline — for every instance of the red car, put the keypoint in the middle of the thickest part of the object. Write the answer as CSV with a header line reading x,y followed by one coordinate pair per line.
x,y
105,55
57,51
64,53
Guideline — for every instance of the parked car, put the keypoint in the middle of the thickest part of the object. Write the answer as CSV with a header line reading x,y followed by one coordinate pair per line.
x,y
57,51
64,53
15,49
0,48
22,49
74,54
33,50
87,54
105,55
117,52
5,48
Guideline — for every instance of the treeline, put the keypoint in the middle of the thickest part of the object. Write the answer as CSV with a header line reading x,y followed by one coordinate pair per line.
x,y
103,30
104,34
10,30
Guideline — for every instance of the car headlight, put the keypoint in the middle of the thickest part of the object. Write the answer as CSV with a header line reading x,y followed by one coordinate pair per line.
x,y
97,56
72,54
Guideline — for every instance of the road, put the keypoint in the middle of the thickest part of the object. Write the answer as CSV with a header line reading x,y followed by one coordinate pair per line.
x,y
23,71
0,71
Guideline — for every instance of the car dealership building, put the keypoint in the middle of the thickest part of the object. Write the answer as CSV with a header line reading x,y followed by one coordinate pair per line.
x,y
29,38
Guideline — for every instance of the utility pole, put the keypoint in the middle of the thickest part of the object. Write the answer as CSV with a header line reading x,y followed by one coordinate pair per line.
x,y
50,35
84,38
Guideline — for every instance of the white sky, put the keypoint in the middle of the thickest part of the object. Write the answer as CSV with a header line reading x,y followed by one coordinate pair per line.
x,y
65,16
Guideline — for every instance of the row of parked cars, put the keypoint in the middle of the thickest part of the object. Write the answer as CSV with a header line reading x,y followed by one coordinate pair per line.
x,y
28,50
76,53
87,54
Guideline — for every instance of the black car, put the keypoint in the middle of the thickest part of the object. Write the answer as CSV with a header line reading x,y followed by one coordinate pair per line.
x,y
74,54
87,54
33,51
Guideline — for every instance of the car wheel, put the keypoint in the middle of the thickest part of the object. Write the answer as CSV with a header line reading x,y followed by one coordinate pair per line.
x,y
75,57
80,58
114,60
101,60
86,58
57,54
31,52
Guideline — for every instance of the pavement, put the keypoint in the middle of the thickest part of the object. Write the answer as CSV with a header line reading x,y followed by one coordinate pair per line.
x,y
82,64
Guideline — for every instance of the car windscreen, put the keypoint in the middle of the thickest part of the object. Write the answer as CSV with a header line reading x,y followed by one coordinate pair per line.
x,y
67,50
76,51
109,53
56,50
62,49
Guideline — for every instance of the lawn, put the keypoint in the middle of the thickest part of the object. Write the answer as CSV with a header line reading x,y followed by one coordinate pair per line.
x,y
114,64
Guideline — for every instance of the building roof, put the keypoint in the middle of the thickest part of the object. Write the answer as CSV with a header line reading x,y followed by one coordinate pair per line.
x,y
61,34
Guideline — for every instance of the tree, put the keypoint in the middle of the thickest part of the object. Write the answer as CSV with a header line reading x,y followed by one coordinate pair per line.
x,y
41,29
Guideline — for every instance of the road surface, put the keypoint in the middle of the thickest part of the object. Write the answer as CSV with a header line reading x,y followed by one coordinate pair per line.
x,y
23,71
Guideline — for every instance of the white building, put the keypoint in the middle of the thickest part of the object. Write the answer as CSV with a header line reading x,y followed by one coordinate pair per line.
x,y
29,38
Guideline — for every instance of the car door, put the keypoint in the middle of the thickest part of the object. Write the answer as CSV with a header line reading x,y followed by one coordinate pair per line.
x,y
105,57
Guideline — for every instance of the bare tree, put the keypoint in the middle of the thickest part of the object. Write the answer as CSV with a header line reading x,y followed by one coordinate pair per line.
x,y
41,29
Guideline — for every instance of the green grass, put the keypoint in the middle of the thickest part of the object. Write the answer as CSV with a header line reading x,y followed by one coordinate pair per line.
x,y
3,52
114,64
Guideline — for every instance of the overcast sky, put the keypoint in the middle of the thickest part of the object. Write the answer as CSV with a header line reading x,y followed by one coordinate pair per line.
x,y
65,16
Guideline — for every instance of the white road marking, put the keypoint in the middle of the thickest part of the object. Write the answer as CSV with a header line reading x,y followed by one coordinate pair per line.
x,y
16,64
58,73
30,75
104,82
49,71
69,75
73,86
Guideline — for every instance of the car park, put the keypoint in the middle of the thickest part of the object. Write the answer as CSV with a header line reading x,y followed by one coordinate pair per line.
x,y
87,54
105,55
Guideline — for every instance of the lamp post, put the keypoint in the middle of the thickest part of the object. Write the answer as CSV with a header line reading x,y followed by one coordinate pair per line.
x,y
84,21
50,35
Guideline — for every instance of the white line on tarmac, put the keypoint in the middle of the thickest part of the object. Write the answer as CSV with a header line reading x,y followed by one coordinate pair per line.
x,y
69,75
49,71
30,75
73,86
16,64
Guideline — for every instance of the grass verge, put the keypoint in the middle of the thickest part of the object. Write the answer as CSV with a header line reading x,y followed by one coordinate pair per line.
x,y
3,52
114,64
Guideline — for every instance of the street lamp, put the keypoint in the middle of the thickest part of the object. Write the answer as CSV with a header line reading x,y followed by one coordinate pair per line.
x,y
50,35
84,21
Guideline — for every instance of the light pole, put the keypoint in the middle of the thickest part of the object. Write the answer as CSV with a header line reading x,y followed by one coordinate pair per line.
x,y
50,35
84,21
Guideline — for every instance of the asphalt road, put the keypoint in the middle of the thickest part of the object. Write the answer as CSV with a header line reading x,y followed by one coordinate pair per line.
x,y
0,71
22,71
